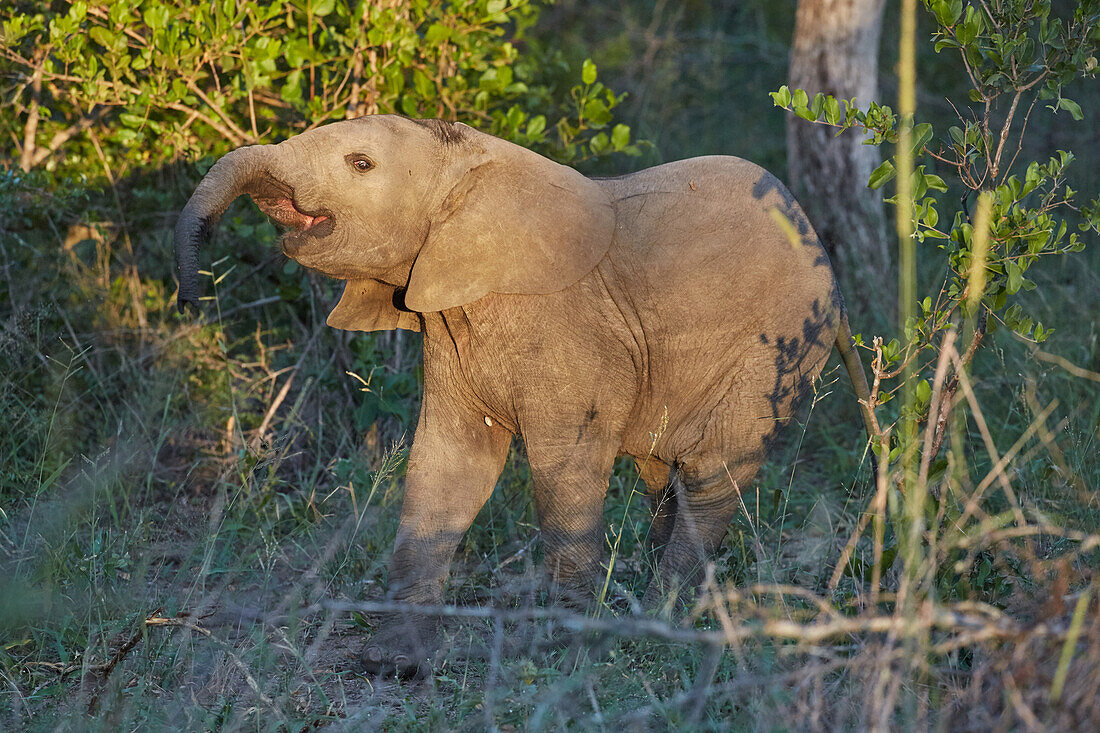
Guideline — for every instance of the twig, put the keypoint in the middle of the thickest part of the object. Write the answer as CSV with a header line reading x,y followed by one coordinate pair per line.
x,y
1051,444
286,385
1006,459
876,505
1066,364
949,391
186,623
103,671
938,409
881,483
1004,132
241,134
254,304
959,619
220,128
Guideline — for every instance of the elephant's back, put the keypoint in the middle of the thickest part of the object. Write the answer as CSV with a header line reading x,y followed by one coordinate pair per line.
x,y
718,227
740,301
746,209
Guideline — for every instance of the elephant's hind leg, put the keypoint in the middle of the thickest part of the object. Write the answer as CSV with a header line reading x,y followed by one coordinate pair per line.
x,y
705,505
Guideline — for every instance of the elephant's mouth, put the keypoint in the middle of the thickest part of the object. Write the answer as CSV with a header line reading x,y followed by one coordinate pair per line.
x,y
283,211
276,200
302,223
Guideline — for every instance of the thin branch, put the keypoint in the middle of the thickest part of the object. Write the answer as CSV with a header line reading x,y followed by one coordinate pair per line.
x,y
221,129
241,134
186,623
1066,364
1004,133
949,391
938,409
959,618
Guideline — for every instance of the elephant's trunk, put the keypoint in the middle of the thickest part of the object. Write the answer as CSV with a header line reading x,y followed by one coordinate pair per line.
x,y
230,177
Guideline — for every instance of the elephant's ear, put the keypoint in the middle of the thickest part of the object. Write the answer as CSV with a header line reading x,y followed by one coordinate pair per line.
x,y
368,305
515,222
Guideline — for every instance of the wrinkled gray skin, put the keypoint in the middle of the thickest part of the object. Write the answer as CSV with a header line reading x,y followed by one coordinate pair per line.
x,y
674,315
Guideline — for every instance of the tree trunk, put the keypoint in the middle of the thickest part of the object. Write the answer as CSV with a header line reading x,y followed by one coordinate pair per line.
x,y
835,51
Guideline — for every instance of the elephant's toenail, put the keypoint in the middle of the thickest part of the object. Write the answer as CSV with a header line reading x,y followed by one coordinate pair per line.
x,y
373,655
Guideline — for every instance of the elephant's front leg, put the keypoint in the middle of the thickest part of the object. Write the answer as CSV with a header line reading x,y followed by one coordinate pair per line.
x,y
453,466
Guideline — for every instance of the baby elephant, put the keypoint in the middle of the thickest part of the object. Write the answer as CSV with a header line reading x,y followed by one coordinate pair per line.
x,y
675,315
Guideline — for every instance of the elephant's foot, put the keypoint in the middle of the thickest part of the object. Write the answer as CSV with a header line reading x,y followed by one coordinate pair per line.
x,y
403,647
670,598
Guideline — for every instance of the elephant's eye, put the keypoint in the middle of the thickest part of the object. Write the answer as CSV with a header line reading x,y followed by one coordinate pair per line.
x,y
359,162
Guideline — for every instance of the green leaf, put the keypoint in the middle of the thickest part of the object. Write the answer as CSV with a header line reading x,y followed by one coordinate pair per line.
x,y
955,8
1015,277
535,126
156,17
922,133
970,27
597,113
437,32
782,98
800,99
424,86
924,391
934,182
131,120
102,36
292,87
588,72
818,105
620,136
321,8
881,175
1072,107
942,13
832,111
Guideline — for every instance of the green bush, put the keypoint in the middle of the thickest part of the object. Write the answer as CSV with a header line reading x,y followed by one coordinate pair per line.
x,y
144,82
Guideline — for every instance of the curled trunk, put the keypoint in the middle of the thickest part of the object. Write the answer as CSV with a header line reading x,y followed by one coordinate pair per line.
x,y
229,178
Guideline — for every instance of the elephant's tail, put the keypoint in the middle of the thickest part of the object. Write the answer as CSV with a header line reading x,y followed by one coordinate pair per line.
x,y
845,345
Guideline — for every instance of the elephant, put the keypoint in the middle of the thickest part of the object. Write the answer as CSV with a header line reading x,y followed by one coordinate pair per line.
x,y
675,315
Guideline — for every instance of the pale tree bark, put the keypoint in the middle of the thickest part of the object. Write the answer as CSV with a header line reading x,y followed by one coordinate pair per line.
x,y
835,51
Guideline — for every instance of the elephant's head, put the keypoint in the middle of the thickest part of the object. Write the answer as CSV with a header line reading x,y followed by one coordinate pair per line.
x,y
437,211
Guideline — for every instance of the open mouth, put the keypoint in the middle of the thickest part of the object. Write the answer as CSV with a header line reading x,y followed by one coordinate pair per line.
x,y
283,211
276,199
